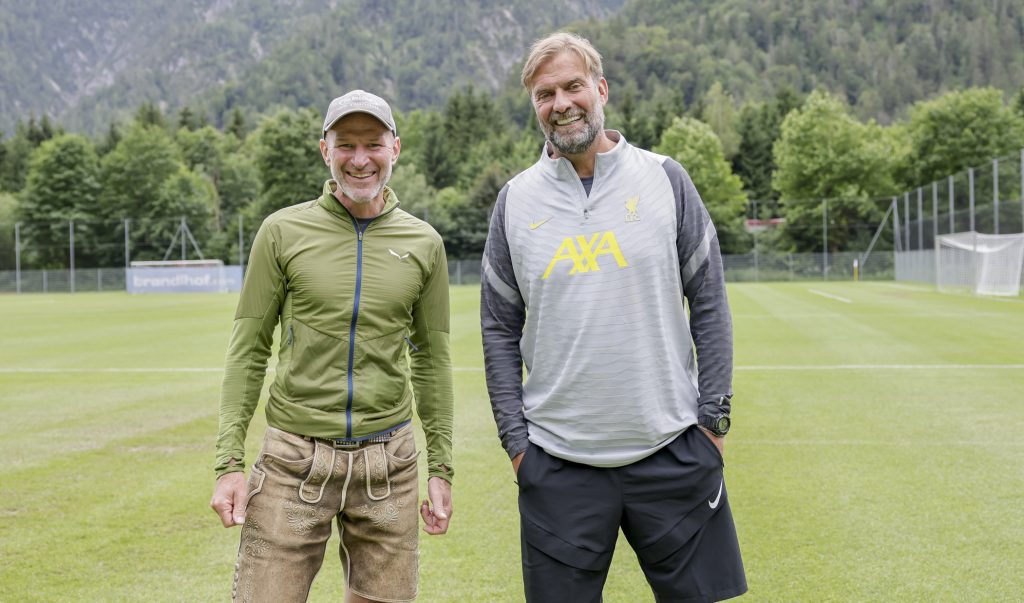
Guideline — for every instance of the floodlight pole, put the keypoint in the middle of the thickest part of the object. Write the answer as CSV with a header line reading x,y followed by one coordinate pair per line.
x,y
17,257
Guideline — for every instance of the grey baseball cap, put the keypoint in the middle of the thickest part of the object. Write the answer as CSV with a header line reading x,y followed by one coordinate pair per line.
x,y
359,101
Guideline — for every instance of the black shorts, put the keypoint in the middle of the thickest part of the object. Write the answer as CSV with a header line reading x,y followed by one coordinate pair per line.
x,y
672,507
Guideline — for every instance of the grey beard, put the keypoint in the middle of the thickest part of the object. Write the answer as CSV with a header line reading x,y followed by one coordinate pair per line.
x,y
581,141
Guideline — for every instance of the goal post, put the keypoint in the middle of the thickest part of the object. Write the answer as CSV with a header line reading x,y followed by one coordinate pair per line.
x,y
183,276
984,264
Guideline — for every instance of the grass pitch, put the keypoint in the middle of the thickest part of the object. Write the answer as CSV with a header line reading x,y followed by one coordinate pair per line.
x,y
877,451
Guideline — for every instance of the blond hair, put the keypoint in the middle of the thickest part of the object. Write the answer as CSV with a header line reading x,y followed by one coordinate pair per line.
x,y
548,47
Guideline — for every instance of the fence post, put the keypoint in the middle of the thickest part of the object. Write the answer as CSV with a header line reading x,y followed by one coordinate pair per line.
x,y
824,234
241,242
952,225
757,268
970,191
906,220
789,262
920,220
995,195
45,287
935,211
17,254
127,243
71,253
99,279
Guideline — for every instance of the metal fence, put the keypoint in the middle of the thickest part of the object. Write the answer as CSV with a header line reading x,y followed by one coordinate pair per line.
x,y
738,268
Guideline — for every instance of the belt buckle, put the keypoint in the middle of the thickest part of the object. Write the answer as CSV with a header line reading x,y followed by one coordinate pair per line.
x,y
343,443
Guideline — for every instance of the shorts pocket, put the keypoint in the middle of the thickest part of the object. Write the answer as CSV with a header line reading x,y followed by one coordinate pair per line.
x,y
256,479
708,444
287,453
401,450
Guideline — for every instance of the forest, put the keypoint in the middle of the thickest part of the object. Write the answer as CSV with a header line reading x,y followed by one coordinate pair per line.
x,y
766,105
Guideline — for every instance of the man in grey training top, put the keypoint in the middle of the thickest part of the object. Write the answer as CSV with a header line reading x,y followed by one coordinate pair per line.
x,y
592,255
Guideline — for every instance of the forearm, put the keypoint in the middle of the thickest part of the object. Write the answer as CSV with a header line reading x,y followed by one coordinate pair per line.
x,y
503,365
435,404
244,373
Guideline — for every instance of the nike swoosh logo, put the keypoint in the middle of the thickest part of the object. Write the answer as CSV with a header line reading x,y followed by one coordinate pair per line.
x,y
714,503
536,225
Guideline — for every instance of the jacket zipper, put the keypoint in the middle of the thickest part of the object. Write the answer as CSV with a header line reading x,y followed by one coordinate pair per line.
x,y
352,327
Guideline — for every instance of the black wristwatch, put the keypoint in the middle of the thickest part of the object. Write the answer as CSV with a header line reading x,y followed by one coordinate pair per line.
x,y
717,425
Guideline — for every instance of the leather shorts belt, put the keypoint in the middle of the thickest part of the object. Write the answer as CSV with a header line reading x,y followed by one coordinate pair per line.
x,y
353,443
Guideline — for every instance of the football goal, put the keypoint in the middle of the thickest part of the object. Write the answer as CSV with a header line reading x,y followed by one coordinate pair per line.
x,y
985,264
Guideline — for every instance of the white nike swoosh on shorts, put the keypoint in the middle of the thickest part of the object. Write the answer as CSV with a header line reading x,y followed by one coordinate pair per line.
x,y
714,503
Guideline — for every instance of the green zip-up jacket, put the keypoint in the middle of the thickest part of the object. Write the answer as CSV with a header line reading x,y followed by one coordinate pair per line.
x,y
364,316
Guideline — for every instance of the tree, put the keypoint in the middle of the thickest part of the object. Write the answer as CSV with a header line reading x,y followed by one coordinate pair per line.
x,y
189,119
719,112
237,124
149,114
288,159
758,129
19,147
469,120
62,185
471,218
823,153
693,144
182,195
959,130
132,177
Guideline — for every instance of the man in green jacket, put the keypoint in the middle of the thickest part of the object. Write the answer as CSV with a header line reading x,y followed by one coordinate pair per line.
x,y
360,291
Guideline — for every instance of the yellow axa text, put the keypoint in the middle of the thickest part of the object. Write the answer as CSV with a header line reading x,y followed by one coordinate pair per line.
x,y
583,252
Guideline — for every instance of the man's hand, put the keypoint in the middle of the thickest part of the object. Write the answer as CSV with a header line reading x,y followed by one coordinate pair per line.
x,y
437,511
718,441
516,460
229,498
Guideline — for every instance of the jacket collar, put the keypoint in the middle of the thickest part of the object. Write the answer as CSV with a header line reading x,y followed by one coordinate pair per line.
x,y
329,202
561,167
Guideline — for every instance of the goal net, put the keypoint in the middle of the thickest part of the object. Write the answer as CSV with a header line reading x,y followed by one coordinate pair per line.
x,y
982,263
182,276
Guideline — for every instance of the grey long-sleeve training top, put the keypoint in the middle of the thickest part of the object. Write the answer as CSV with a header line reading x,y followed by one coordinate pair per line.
x,y
587,293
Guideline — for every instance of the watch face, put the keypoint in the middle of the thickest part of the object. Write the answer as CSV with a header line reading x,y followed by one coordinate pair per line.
x,y
723,425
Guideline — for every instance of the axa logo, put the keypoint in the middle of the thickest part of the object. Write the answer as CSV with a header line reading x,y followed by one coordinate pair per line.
x,y
582,252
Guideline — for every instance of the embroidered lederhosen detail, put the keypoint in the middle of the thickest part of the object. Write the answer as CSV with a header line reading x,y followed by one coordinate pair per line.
x,y
312,489
376,464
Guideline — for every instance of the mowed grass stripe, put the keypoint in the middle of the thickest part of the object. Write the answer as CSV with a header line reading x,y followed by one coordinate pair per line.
x,y
875,454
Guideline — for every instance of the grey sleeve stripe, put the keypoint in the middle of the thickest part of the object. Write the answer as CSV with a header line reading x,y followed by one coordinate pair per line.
x,y
700,255
500,287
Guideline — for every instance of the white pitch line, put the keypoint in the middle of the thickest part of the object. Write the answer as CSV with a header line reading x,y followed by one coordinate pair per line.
x,y
830,296
889,443
876,367
474,369
113,370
